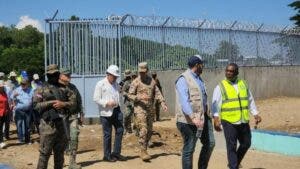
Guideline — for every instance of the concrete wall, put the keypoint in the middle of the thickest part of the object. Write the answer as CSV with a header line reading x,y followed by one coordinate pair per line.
x,y
264,82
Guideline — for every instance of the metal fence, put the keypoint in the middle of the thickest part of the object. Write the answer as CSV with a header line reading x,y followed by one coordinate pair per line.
x,y
88,46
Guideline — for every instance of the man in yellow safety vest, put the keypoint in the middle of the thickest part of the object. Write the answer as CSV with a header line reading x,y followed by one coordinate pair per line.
x,y
231,104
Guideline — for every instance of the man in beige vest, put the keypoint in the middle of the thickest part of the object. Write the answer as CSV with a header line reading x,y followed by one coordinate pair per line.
x,y
193,119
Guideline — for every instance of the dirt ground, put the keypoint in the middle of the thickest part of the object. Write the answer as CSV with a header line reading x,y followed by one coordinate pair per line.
x,y
279,114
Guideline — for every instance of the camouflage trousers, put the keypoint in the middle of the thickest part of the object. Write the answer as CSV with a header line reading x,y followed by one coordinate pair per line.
x,y
144,123
128,118
73,129
52,138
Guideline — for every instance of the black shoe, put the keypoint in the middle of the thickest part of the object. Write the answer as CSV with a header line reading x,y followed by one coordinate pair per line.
x,y
119,157
111,159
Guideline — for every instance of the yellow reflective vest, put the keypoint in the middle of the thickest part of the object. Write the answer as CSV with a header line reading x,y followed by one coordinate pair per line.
x,y
235,105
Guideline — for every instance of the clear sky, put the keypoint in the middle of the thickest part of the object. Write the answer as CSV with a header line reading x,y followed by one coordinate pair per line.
x,y
270,12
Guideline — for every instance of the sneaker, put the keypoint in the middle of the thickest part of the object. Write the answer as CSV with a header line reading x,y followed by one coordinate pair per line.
x,y
2,145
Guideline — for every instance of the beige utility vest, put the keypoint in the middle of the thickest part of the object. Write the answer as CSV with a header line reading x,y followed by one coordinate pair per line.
x,y
195,98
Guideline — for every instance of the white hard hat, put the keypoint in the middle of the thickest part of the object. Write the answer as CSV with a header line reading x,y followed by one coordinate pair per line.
x,y
113,70
36,77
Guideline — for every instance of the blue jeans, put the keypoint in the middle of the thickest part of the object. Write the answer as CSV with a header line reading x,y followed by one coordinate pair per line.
x,y
22,119
188,133
116,120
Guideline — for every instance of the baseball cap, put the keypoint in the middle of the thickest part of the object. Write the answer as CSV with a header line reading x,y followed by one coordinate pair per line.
x,y
195,59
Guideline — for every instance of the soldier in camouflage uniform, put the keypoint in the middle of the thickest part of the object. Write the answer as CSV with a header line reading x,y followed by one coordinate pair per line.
x,y
72,119
129,108
134,75
142,93
53,102
156,112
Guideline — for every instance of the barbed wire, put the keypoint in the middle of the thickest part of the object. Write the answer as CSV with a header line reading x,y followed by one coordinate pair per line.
x,y
162,21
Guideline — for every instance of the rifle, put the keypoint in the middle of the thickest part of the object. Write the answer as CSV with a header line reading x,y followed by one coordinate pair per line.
x,y
58,96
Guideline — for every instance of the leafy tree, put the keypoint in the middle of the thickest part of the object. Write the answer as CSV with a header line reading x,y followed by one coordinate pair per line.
x,y
5,37
74,18
21,49
227,50
296,18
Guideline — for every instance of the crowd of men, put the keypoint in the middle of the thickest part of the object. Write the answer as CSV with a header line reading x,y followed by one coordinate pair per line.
x,y
16,98
55,109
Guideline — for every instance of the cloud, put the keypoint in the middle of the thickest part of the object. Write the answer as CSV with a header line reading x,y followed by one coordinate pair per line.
x,y
2,24
26,20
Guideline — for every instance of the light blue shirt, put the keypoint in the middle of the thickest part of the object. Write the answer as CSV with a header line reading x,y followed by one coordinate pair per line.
x,y
23,99
184,96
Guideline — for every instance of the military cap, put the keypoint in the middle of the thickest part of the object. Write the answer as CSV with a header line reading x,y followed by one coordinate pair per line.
x,y
51,69
65,71
143,67
127,73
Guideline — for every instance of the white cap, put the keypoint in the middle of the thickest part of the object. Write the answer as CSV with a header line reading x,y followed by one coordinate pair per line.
x,y
2,74
113,70
36,77
12,73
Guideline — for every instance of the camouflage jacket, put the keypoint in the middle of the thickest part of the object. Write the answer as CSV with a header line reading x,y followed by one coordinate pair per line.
x,y
125,90
45,96
78,109
138,88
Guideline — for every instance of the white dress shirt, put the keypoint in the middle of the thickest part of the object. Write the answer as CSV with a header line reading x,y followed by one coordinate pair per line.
x,y
217,103
105,92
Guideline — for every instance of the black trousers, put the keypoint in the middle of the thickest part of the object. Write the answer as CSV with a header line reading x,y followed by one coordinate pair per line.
x,y
234,133
2,121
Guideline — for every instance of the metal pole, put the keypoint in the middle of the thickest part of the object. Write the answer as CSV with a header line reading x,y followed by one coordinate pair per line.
x,y
45,48
257,42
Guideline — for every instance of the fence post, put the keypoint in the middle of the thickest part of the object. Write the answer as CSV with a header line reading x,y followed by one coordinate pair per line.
x,y
164,42
257,42
230,43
